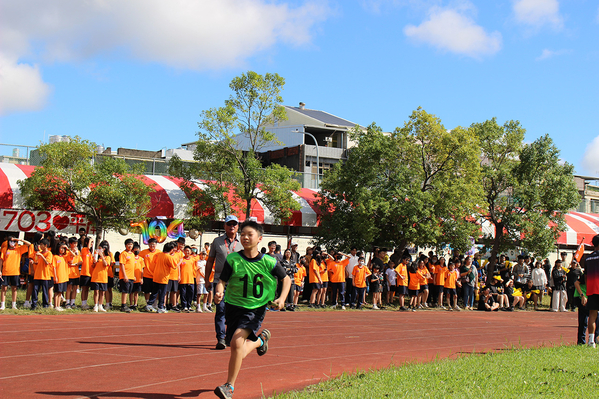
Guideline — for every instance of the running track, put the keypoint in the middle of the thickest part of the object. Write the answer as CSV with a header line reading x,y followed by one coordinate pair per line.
x,y
171,356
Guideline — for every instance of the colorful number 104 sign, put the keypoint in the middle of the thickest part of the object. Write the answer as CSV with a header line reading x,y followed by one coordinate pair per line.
x,y
157,229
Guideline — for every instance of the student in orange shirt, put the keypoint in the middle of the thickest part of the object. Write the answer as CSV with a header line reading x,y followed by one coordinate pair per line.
x,y
138,272
102,264
10,268
359,274
413,285
402,281
188,267
149,258
165,262
451,279
336,269
298,277
324,275
61,276
85,278
316,265
424,278
43,268
33,248
126,273
440,271
175,276
73,259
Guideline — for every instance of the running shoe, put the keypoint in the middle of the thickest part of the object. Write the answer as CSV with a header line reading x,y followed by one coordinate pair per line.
x,y
225,391
265,336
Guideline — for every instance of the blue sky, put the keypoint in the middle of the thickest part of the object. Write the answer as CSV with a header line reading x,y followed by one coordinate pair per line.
x,y
138,73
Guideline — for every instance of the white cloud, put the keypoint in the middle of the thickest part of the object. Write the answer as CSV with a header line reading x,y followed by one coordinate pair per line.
x,y
590,159
538,13
452,30
21,87
546,54
186,34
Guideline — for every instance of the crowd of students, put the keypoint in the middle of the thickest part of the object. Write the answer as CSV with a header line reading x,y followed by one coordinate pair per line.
x,y
62,267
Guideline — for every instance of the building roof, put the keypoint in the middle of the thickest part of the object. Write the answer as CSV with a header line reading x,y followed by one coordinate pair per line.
x,y
323,117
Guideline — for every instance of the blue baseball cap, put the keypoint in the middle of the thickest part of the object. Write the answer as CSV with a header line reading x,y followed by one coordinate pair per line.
x,y
231,218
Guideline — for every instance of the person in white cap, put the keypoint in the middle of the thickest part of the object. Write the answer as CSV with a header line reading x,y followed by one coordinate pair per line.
x,y
220,248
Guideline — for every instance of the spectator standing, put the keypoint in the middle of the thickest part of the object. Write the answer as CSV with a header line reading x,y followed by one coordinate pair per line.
x,y
221,247
560,296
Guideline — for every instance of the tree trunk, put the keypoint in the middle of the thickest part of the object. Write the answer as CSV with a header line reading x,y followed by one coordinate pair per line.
x,y
495,250
99,232
248,210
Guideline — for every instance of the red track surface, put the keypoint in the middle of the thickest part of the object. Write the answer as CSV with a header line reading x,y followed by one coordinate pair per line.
x,y
171,356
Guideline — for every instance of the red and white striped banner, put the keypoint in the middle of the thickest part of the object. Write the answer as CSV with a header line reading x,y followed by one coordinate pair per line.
x,y
168,200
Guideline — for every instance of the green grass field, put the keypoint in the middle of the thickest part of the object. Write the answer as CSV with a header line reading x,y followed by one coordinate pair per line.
x,y
558,372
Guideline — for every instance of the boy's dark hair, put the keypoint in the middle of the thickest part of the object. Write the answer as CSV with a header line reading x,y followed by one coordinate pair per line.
x,y
72,240
254,225
270,242
128,241
136,246
360,258
181,240
559,261
45,241
152,241
187,247
168,247
595,240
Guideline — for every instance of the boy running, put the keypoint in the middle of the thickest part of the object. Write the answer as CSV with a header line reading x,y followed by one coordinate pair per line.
x,y
251,279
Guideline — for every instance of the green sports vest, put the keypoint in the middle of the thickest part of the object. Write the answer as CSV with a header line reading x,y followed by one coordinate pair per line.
x,y
251,284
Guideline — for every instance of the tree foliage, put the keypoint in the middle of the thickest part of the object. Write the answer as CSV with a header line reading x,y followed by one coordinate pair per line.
x,y
527,189
419,185
108,193
227,152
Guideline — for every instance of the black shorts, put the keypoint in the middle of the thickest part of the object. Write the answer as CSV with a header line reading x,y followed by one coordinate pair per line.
x,y
30,278
423,287
110,282
401,290
325,284
451,292
13,281
147,285
413,292
126,287
136,287
60,287
593,302
73,281
99,286
237,317
173,286
317,286
84,281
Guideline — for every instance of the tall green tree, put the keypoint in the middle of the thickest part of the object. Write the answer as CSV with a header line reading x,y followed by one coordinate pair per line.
x,y
527,189
419,185
107,192
230,140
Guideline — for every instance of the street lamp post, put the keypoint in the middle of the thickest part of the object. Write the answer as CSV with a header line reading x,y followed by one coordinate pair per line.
x,y
317,157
